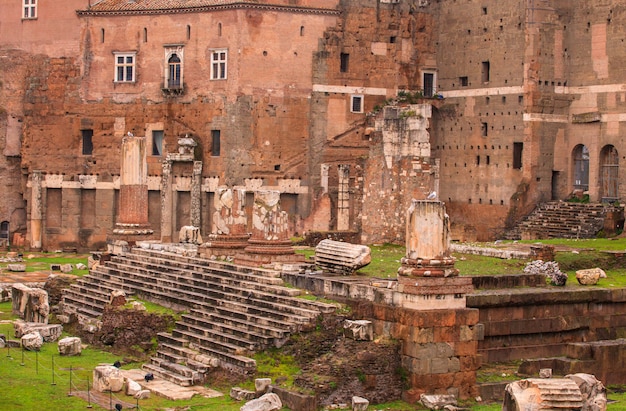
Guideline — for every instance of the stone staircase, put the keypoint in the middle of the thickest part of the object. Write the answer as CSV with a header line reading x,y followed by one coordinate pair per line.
x,y
559,219
230,312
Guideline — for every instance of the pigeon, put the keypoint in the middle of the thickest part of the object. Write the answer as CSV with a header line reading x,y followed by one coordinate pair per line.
x,y
149,377
117,364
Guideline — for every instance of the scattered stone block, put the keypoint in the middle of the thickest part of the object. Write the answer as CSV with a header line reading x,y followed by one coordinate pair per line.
x,y
67,268
81,266
590,276
437,402
31,304
342,258
240,394
49,332
542,393
359,403
132,387
190,235
107,378
267,402
262,384
118,298
358,330
32,341
18,268
142,395
69,346
137,306
545,373
592,390
118,247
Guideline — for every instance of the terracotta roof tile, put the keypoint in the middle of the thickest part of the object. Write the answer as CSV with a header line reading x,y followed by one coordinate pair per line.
x,y
137,5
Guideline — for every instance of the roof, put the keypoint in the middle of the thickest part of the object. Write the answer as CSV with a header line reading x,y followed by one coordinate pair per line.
x,y
126,7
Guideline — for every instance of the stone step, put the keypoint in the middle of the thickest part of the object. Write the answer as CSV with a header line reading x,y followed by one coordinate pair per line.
x,y
193,358
233,335
188,278
79,304
235,362
167,375
93,293
169,340
214,341
276,330
92,281
254,274
225,274
155,285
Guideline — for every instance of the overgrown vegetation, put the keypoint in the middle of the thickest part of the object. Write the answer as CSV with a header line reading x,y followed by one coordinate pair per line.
x,y
26,387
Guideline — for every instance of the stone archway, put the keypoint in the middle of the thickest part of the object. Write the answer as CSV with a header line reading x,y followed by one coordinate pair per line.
x,y
4,233
609,173
580,162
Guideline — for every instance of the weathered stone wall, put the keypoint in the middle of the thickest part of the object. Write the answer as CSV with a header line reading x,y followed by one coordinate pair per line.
x,y
438,350
535,325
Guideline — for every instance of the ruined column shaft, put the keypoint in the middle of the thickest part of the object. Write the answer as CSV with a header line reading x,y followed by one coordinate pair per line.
x,y
343,198
36,210
195,194
166,202
133,182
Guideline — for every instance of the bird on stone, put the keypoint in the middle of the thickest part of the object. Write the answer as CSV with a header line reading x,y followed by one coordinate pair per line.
x,y
149,377
117,364
432,195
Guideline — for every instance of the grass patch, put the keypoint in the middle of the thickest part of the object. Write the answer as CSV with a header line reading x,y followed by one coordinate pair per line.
x,y
274,364
385,261
42,262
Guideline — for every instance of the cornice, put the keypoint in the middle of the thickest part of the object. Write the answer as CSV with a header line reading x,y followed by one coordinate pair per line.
x,y
208,9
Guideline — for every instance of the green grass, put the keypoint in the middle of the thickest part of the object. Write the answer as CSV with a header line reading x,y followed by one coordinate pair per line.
x,y
42,261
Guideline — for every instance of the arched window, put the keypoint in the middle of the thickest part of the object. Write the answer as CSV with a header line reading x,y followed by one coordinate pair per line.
x,y
609,172
174,72
580,157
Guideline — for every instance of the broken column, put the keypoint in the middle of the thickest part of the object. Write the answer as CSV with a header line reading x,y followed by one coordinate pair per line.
x,y
427,269
269,241
132,219
36,210
230,234
31,304
338,257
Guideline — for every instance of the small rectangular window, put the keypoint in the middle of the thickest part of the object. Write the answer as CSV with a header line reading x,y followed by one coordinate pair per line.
x,y
215,143
345,60
219,64
124,67
87,137
485,67
157,142
463,81
29,9
518,148
356,104
484,127
428,82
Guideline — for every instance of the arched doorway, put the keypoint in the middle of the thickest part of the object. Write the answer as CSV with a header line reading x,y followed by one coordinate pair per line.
x,y
4,233
609,171
580,155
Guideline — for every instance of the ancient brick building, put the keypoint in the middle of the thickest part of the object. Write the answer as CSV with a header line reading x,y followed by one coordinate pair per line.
x,y
516,102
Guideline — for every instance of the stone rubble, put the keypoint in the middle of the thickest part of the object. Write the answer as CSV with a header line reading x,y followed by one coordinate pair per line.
x,y
548,268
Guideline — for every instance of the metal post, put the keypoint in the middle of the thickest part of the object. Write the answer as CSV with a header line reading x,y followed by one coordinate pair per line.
x,y
70,392
37,362
22,363
88,393
53,383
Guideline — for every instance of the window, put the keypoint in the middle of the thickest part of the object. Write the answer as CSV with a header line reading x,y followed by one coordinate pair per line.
x,y
484,127
218,64
463,81
518,148
87,137
173,82
485,71
174,71
356,104
30,9
343,64
428,83
124,67
157,142
215,143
